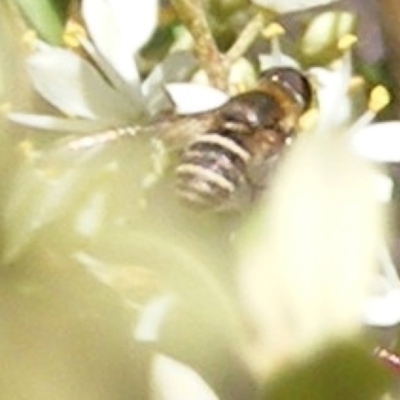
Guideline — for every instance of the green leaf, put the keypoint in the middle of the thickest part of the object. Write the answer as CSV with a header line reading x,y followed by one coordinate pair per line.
x,y
46,16
343,371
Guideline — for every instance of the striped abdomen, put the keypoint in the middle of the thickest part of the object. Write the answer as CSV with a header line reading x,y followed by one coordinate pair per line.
x,y
212,169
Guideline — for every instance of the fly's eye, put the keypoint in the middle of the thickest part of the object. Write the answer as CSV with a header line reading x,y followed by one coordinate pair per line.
x,y
294,81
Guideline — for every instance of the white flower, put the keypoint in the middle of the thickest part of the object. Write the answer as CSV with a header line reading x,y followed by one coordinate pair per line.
x,y
284,6
169,379
332,89
115,96
334,103
276,57
383,308
308,261
202,97
172,380
379,142
383,305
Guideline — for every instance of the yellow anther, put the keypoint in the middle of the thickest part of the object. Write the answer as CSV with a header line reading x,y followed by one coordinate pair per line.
x,y
378,99
347,41
29,40
237,87
73,34
273,30
308,120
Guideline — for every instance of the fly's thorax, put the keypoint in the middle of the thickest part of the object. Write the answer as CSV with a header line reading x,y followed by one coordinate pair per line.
x,y
292,90
288,85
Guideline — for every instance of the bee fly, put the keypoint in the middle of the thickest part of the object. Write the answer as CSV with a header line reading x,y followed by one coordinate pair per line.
x,y
226,153
226,164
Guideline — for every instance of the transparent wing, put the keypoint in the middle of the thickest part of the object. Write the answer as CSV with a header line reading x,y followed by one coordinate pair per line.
x,y
174,131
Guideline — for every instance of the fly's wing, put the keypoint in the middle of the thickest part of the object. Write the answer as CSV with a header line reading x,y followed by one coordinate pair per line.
x,y
176,132
267,149
107,171
100,138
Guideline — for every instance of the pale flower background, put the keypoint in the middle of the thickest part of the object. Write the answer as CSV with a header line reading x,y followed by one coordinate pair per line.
x,y
304,271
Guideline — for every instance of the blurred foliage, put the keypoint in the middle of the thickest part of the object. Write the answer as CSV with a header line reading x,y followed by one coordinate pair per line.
x,y
46,16
342,371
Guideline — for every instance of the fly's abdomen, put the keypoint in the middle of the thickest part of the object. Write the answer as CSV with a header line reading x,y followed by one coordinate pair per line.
x,y
212,169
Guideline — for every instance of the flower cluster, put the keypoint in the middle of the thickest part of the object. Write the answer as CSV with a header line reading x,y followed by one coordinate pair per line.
x,y
295,292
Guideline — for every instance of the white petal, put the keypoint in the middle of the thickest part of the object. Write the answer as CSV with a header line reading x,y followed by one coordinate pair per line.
x,y
176,67
383,310
308,265
151,317
74,86
119,22
172,380
384,188
334,105
190,98
379,142
89,220
267,61
119,29
281,6
48,122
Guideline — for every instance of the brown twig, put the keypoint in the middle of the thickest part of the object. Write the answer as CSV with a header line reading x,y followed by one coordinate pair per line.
x,y
192,15
246,38
390,17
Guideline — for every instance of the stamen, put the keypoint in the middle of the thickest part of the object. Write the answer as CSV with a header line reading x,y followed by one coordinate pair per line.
x,y
378,99
98,58
346,42
272,33
345,45
356,83
237,87
272,30
74,34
